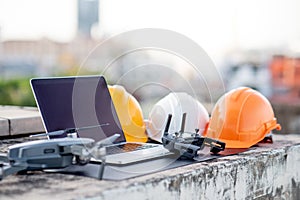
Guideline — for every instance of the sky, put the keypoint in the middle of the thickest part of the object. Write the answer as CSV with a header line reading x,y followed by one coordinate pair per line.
x,y
217,26
33,19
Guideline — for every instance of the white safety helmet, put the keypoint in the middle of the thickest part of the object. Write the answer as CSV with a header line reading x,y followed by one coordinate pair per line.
x,y
176,104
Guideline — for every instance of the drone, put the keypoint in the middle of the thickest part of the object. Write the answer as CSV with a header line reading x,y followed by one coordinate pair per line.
x,y
55,153
188,145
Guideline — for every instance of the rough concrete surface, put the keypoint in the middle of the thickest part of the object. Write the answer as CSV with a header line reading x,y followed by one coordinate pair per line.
x,y
261,173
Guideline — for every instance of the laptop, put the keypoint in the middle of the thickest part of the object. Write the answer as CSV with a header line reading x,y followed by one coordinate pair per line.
x,y
85,101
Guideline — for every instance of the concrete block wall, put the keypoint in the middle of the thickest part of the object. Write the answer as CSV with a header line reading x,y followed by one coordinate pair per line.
x,y
266,172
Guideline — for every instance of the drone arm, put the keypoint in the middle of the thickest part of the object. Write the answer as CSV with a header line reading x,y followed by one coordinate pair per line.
x,y
3,158
6,170
79,150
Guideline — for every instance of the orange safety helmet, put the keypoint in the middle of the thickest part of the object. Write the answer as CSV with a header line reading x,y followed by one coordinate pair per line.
x,y
241,118
129,113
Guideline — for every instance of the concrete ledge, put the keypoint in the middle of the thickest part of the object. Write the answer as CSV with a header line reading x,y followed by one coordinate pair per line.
x,y
19,120
4,127
260,173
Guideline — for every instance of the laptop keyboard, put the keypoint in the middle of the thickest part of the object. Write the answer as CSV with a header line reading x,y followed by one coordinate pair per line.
x,y
127,148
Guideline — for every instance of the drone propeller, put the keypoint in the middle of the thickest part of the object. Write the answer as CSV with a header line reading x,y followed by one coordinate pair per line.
x,y
80,150
53,133
68,130
107,141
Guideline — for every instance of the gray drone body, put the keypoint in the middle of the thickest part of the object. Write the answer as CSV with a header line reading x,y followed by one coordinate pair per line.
x,y
45,154
55,153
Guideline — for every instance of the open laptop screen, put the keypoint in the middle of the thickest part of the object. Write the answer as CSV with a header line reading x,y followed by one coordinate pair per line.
x,y
76,102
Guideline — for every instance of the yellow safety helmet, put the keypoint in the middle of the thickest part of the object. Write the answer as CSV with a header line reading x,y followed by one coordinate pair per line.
x,y
129,113
241,118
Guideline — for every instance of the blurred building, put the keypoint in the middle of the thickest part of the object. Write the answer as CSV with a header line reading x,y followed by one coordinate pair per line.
x,y
26,58
285,71
88,16
255,76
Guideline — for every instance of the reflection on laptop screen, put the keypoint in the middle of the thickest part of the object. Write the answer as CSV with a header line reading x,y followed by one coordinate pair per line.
x,y
75,102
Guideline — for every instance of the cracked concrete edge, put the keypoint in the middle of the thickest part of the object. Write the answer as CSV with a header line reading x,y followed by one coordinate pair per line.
x,y
269,175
